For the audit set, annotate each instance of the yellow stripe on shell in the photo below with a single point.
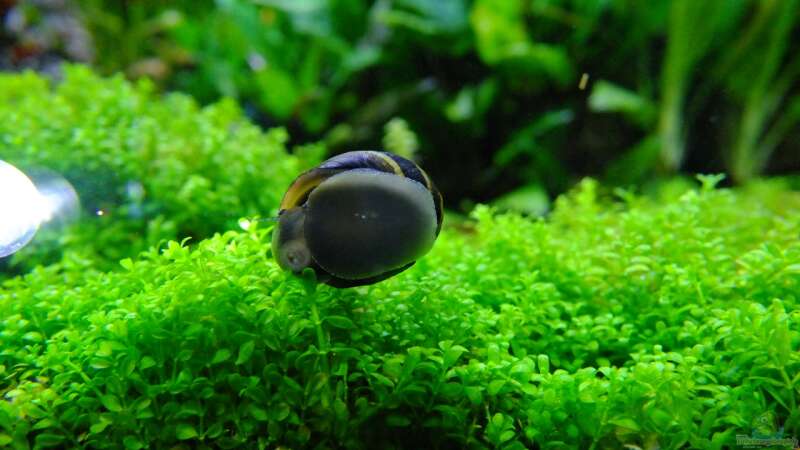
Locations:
(428, 183)
(389, 161)
(304, 184)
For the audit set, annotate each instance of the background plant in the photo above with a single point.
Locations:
(157, 170)
(491, 88)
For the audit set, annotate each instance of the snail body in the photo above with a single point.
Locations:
(357, 218)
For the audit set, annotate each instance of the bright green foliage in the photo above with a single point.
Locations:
(400, 139)
(159, 169)
(667, 324)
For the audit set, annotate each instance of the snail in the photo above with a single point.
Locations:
(358, 218)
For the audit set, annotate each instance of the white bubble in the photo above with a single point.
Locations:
(27, 203)
(22, 209)
(244, 224)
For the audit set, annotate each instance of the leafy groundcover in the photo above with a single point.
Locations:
(158, 168)
(669, 323)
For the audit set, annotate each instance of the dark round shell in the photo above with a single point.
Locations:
(364, 225)
(359, 224)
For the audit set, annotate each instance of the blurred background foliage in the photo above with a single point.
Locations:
(506, 100)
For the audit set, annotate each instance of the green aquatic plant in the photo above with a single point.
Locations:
(652, 324)
(398, 138)
(158, 169)
(705, 85)
(769, 108)
(727, 67)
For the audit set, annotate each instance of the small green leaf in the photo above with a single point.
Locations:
(99, 363)
(98, 427)
(185, 431)
(608, 97)
(126, 263)
(141, 403)
(258, 413)
(507, 435)
(44, 423)
(495, 386)
(132, 443)
(452, 354)
(147, 362)
(220, 356)
(309, 280)
(104, 349)
(245, 352)
(145, 414)
(49, 440)
(35, 412)
(474, 395)
(340, 409)
(281, 411)
(382, 379)
(33, 336)
(625, 423)
(214, 431)
(339, 322)
(500, 429)
(544, 364)
(660, 418)
(111, 402)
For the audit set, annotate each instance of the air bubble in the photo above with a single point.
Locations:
(61, 200)
(27, 203)
(22, 209)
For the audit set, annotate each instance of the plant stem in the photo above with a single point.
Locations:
(322, 342)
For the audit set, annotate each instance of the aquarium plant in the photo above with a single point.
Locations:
(666, 320)
(146, 169)
(542, 92)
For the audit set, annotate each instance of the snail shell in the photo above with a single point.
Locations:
(357, 218)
